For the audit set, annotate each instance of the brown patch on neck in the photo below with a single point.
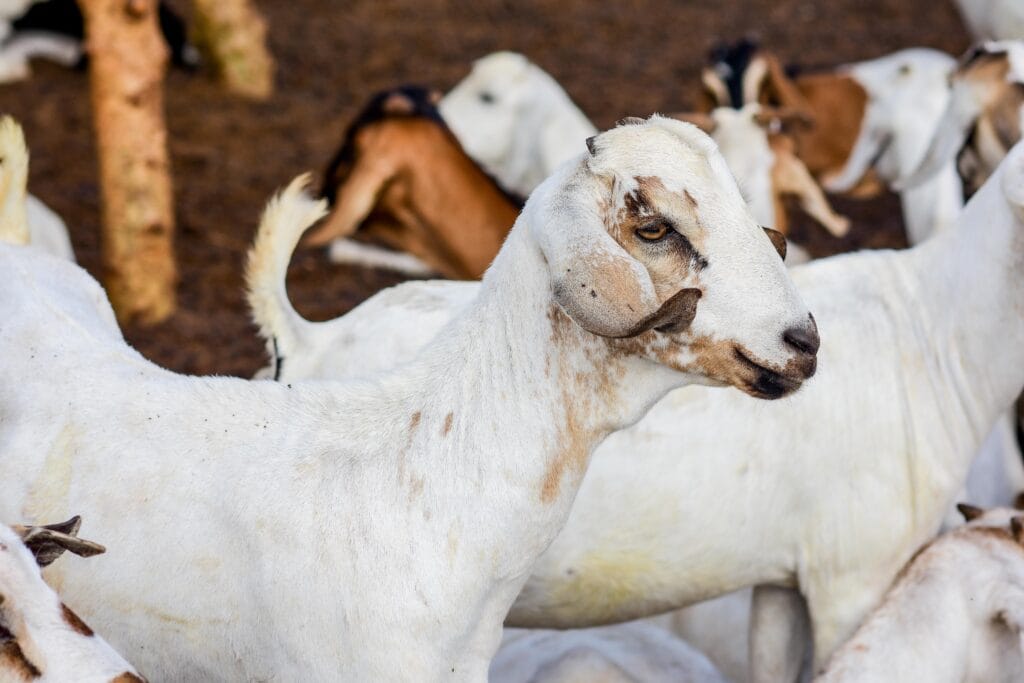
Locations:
(14, 662)
(72, 620)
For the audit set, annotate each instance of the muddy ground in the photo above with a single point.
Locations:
(614, 58)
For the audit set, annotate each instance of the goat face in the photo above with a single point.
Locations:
(484, 108)
(650, 222)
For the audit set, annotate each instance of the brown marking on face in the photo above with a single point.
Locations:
(72, 620)
(14, 662)
(447, 423)
(128, 677)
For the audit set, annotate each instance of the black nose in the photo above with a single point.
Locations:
(804, 338)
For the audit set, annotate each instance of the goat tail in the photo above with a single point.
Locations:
(13, 182)
(288, 214)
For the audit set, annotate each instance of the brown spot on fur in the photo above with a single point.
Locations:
(414, 421)
(14, 662)
(128, 677)
(74, 622)
(447, 424)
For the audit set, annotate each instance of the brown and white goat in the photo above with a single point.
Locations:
(833, 102)
(401, 178)
(41, 639)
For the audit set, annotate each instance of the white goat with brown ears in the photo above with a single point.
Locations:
(378, 529)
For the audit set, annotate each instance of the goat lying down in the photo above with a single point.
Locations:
(41, 639)
(929, 328)
(869, 122)
(400, 177)
(623, 653)
(954, 615)
(424, 495)
(982, 120)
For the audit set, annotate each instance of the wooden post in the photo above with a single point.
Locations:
(233, 36)
(127, 60)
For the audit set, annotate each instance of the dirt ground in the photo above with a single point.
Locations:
(614, 58)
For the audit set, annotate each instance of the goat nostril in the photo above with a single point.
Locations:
(803, 339)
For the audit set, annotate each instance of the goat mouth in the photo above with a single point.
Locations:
(766, 383)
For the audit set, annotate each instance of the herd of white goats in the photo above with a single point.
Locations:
(453, 457)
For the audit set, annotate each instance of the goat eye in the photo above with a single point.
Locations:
(652, 232)
(487, 98)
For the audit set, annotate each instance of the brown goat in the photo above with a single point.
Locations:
(402, 179)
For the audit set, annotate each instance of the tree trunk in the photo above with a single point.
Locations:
(127, 60)
(233, 35)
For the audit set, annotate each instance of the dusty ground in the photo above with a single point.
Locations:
(614, 58)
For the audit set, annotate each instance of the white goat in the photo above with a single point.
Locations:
(515, 119)
(926, 347)
(982, 120)
(41, 639)
(23, 218)
(379, 529)
(993, 19)
(956, 613)
(930, 370)
(636, 652)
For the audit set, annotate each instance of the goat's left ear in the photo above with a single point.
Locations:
(49, 542)
(778, 241)
(969, 512)
(595, 281)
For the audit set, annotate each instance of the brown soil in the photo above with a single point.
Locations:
(229, 155)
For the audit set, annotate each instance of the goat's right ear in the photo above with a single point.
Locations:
(970, 512)
(49, 542)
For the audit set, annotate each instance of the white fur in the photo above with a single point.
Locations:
(625, 653)
(529, 127)
(375, 529)
(31, 612)
(956, 615)
(829, 491)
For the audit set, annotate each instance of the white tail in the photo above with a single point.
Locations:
(13, 182)
(287, 216)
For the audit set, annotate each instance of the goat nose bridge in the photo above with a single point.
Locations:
(804, 338)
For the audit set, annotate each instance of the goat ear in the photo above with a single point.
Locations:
(600, 286)
(970, 512)
(49, 542)
(778, 241)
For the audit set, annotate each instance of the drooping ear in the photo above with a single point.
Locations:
(601, 287)
(715, 89)
(48, 542)
(778, 241)
(970, 512)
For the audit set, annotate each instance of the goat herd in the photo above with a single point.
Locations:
(453, 457)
